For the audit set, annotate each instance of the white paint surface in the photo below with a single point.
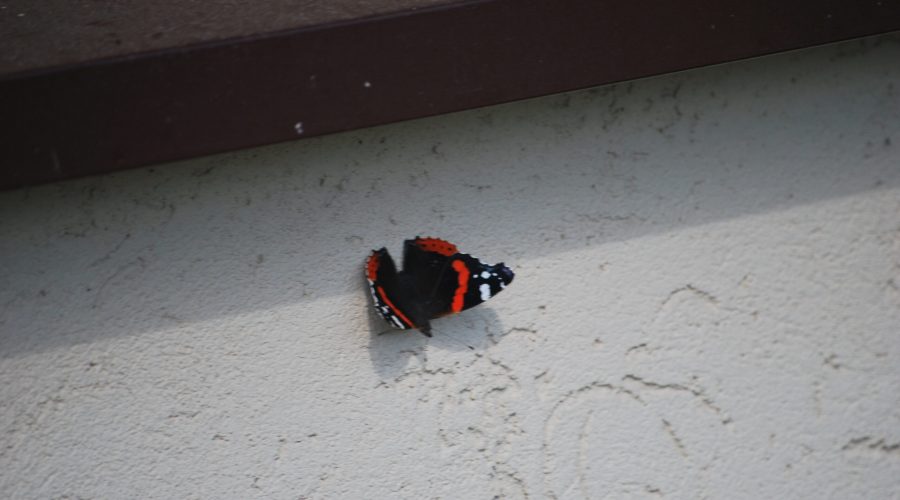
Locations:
(706, 304)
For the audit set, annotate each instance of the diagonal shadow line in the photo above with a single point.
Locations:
(155, 248)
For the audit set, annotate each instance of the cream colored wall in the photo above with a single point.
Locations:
(707, 303)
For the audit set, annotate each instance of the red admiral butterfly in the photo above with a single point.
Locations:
(436, 280)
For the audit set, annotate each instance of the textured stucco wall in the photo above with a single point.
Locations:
(707, 304)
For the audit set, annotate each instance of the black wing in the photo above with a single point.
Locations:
(384, 283)
(449, 281)
(427, 263)
(482, 281)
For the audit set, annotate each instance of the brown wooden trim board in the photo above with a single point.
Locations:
(100, 115)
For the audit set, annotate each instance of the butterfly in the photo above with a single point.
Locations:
(436, 280)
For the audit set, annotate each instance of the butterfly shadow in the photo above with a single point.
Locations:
(396, 353)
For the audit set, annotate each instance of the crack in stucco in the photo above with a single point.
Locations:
(516, 329)
(679, 444)
(703, 294)
(700, 394)
(582, 439)
(831, 361)
(869, 443)
(491, 431)
(109, 254)
(582, 452)
(633, 348)
(139, 262)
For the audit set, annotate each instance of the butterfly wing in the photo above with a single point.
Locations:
(427, 262)
(476, 281)
(387, 292)
(451, 281)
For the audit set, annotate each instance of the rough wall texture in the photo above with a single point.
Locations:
(707, 304)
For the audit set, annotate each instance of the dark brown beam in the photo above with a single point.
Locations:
(98, 116)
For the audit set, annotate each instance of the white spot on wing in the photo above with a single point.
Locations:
(485, 275)
(485, 290)
(298, 127)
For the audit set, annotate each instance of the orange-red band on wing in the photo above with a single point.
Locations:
(394, 308)
(437, 246)
(462, 277)
(372, 267)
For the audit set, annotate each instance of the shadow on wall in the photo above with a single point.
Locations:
(159, 247)
(390, 349)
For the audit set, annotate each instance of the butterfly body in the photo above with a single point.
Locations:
(436, 280)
